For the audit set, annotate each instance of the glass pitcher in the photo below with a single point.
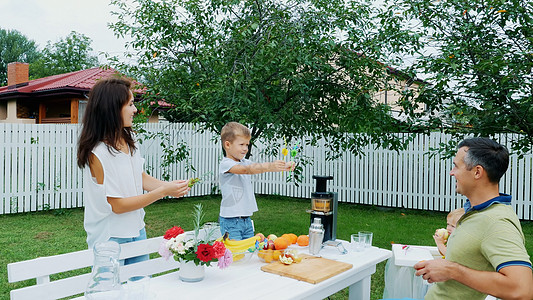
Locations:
(105, 279)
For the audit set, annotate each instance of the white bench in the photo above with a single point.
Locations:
(41, 268)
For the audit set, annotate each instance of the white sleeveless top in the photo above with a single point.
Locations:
(122, 178)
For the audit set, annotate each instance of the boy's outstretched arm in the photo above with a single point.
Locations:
(257, 168)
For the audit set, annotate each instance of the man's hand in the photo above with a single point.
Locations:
(435, 270)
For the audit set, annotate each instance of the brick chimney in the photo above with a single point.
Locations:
(17, 72)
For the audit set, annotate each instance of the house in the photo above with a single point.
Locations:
(398, 83)
(54, 99)
(391, 97)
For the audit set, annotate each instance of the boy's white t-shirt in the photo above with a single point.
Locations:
(238, 198)
(122, 178)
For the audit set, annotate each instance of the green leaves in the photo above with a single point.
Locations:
(67, 55)
(15, 47)
(285, 68)
(475, 61)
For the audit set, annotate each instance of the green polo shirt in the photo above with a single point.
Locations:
(488, 237)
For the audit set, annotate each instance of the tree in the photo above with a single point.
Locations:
(67, 55)
(15, 47)
(481, 66)
(286, 68)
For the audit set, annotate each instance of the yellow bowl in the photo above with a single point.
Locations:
(269, 256)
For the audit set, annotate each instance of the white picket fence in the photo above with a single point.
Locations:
(40, 171)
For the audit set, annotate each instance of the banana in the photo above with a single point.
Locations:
(240, 246)
(235, 251)
(238, 249)
(249, 241)
(243, 246)
(237, 246)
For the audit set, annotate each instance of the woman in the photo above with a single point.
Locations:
(114, 180)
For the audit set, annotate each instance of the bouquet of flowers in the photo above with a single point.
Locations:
(203, 251)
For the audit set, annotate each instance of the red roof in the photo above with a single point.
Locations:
(83, 80)
(77, 82)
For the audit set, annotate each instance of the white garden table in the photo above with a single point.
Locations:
(247, 281)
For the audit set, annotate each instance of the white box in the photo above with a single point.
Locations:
(409, 255)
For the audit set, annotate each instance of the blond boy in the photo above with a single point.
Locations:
(238, 198)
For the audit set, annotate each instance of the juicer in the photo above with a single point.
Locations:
(324, 207)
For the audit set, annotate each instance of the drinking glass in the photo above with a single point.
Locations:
(357, 243)
(138, 287)
(367, 238)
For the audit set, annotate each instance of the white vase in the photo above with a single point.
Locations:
(190, 272)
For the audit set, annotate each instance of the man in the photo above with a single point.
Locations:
(486, 252)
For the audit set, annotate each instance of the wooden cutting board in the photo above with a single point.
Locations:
(311, 269)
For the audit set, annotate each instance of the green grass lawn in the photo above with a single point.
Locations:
(30, 235)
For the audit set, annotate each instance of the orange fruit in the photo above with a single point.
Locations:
(276, 254)
(287, 237)
(303, 240)
(293, 238)
(281, 243)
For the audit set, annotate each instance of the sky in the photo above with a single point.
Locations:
(52, 20)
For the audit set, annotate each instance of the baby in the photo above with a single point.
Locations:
(451, 221)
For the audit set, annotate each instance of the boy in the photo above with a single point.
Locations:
(238, 199)
(451, 221)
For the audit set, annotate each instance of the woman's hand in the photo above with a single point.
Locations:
(178, 188)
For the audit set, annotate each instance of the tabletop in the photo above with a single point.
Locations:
(247, 281)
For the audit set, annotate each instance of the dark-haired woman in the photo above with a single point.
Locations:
(115, 179)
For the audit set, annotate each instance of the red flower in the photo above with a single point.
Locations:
(205, 252)
(173, 232)
(219, 248)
